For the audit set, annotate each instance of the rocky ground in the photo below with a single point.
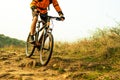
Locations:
(14, 65)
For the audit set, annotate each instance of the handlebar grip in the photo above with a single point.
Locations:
(58, 19)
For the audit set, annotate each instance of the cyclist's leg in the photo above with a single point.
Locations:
(33, 25)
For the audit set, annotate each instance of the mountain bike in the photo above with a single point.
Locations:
(44, 42)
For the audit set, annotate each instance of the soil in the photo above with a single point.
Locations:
(14, 65)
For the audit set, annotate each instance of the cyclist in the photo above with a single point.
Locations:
(40, 7)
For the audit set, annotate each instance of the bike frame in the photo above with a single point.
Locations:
(41, 41)
(45, 27)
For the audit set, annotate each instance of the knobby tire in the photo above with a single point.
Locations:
(29, 47)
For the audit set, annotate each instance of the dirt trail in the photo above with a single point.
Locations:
(15, 66)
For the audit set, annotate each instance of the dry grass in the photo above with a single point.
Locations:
(100, 53)
(96, 58)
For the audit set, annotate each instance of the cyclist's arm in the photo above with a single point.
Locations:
(33, 4)
(57, 7)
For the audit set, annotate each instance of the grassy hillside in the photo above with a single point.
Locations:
(99, 55)
(7, 41)
(93, 58)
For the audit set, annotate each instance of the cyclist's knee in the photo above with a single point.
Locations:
(35, 18)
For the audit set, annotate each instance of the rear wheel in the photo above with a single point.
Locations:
(30, 48)
(46, 49)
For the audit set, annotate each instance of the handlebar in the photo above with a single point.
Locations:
(56, 18)
(49, 18)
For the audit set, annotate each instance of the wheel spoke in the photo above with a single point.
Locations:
(46, 48)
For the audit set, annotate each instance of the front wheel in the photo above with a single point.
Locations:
(30, 48)
(46, 49)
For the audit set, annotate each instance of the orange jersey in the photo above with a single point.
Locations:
(43, 5)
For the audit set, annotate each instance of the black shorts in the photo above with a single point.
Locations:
(42, 16)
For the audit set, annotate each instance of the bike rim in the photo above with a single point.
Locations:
(29, 48)
(46, 50)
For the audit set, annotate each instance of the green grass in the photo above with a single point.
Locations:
(6, 41)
